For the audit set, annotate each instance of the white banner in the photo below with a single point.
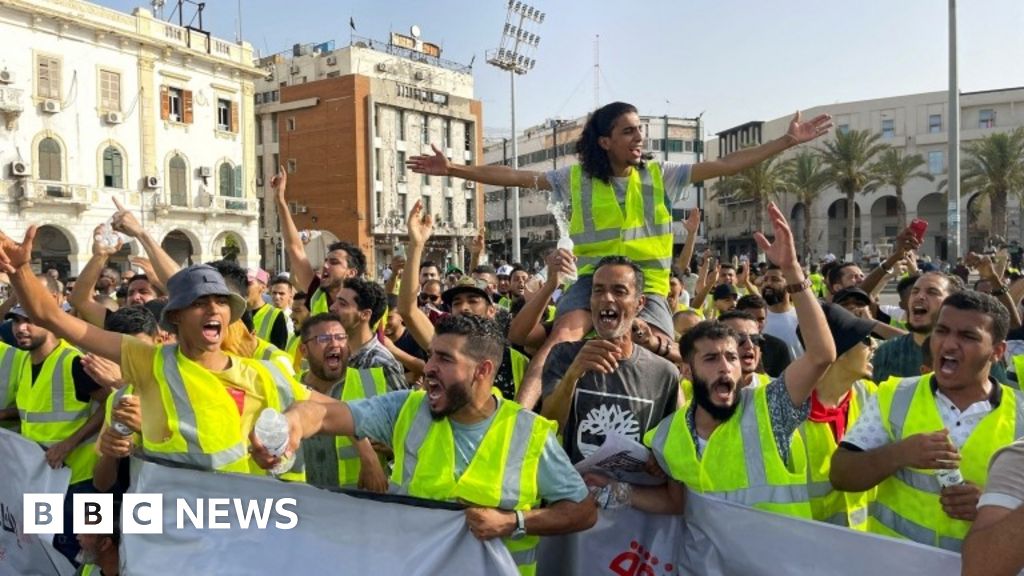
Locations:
(23, 470)
(724, 538)
(333, 533)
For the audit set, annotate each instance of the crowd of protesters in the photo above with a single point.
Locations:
(778, 384)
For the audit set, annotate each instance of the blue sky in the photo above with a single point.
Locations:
(734, 60)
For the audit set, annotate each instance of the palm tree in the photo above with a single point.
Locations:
(760, 183)
(994, 166)
(847, 159)
(895, 170)
(806, 179)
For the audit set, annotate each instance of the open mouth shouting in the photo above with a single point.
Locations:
(212, 331)
(919, 314)
(332, 360)
(948, 365)
(722, 391)
(609, 321)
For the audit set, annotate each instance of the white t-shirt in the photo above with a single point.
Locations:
(783, 325)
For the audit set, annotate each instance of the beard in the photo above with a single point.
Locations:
(456, 398)
(772, 296)
(702, 396)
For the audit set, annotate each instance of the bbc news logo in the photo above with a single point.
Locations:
(144, 513)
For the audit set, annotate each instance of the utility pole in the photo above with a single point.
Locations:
(953, 250)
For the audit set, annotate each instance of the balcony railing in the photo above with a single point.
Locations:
(47, 193)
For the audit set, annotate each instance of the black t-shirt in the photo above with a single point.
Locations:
(504, 379)
(775, 355)
(406, 343)
(84, 384)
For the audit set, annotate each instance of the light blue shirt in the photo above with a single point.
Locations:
(556, 478)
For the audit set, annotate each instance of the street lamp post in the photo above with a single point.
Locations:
(513, 56)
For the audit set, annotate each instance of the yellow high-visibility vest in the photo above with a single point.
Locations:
(12, 362)
(849, 509)
(50, 413)
(318, 304)
(741, 462)
(502, 473)
(907, 504)
(264, 319)
(599, 227)
(359, 384)
(203, 420)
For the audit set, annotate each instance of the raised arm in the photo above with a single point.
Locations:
(164, 266)
(43, 309)
(81, 297)
(420, 226)
(525, 329)
(692, 225)
(987, 270)
(298, 263)
(440, 165)
(803, 374)
(798, 133)
(476, 250)
(905, 242)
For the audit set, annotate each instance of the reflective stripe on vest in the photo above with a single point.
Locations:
(739, 439)
(640, 228)
(188, 428)
(908, 504)
(50, 412)
(11, 366)
(502, 473)
(359, 383)
(264, 319)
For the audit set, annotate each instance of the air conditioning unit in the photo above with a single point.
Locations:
(114, 117)
(259, 181)
(6, 77)
(152, 182)
(382, 67)
(403, 178)
(51, 106)
(303, 209)
(205, 172)
(332, 60)
(295, 70)
(469, 185)
(20, 169)
(419, 75)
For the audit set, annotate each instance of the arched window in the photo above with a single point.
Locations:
(177, 180)
(50, 160)
(113, 168)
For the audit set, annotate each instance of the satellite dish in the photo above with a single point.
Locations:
(414, 31)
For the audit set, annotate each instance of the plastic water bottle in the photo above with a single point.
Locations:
(272, 431)
(949, 478)
(566, 243)
(119, 427)
(108, 237)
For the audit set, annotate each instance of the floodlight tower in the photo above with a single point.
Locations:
(514, 55)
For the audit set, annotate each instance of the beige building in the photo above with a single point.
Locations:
(343, 121)
(915, 124)
(552, 145)
(98, 104)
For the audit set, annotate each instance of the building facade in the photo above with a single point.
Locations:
(913, 124)
(552, 145)
(97, 104)
(342, 123)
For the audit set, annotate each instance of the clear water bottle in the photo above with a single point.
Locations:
(566, 243)
(949, 478)
(119, 427)
(272, 431)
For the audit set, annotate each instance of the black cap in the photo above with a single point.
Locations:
(852, 293)
(724, 291)
(847, 329)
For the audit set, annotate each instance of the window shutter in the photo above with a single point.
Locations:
(238, 181)
(165, 103)
(234, 117)
(186, 106)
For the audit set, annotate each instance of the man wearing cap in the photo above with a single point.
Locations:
(926, 441)
(343, 260)
(504, 275)
(468, 296)
(58, 402)
(452, 276)
(724, 298)
(270, 322)
(836, 403)
(360, 304)
(199, 403)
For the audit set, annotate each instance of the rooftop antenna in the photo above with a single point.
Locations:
(158, 9)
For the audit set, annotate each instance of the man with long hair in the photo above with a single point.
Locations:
(618, 204)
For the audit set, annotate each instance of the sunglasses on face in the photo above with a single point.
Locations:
(424, 298)
(324, 339)
(755, 339)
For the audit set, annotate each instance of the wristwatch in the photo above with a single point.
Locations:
(520, 530)
(798, 287)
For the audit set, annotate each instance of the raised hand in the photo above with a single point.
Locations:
(692, 222)
(279, 182)
(560, 263)
(420, 225)
(124, 221)
(436, 165)
(14, 255)
(100, 247)
(479, 243)
(143, 263)
(806, 131)
(983, 264)
(781, 252)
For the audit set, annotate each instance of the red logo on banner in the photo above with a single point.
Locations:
(637, 561)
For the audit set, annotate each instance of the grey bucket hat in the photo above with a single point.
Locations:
(192, 283)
